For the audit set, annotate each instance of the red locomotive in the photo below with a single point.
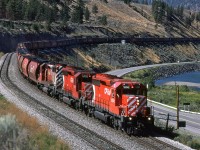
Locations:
(118, 102)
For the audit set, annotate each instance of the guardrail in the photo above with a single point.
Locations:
(191, 112)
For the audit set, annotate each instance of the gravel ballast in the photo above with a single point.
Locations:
(75, 142)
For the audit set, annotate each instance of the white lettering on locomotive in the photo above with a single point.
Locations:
(107, 91)
(71, 80)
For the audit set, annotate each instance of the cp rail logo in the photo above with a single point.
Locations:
(107, 91)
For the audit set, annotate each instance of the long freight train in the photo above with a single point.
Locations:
(118, 102)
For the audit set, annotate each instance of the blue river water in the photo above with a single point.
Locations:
(191, 79)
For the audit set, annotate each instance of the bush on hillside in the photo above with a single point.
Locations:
(11, 135)
(189, 140)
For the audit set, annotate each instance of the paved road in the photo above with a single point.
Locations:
(192, 120)
(121, 72)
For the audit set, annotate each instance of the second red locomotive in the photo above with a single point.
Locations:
(118, 102)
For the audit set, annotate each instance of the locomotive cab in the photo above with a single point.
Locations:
(77, 83)
(134, 110)
(120, 102)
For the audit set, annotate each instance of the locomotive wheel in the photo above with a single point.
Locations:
(129, 131)
(76, 105)
(60, 97)
(85, 110)
(115, 126)
(38, 85)
(90, 112)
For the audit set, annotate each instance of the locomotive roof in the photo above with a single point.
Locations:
(106, 76)
(73, 70)
(111, 79)
(34, 58)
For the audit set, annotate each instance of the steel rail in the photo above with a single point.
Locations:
(95, 140)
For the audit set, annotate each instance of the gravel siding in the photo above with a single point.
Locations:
(94, 125)
(75, 142)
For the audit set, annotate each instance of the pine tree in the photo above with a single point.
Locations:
(49, 16)
(159, 9)
(145, 2)
(10, 7)
(103, 20)
(31, 10)
(94, 9)
(40, 13)
(54, 11)
(77, 13)
(64, 14)
(3, 10)
(169, 13)
(105, 1)
(127, 2)
(24, 5)
(135, 1)
(179, 11)
(87, 14)
(192, 17)
(198, 16)
(188, 21)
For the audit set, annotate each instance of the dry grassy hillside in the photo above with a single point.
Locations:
(124, 19)
(137, 19)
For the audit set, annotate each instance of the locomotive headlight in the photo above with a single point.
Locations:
(138, 102)
(149, 118)
(130, 118)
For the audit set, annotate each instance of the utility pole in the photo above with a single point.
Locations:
(167, 123)
(177, 104)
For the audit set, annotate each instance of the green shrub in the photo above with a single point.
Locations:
(35, 27)
(144, 76)
(46, 141)
(189, 140)
(103, 20)
(184, 88)
(1, 54)
(11, 135)
(47, 26)
(195, 144)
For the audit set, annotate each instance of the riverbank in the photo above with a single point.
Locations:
(191, 79)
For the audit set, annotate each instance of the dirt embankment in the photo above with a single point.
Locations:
(114, 56)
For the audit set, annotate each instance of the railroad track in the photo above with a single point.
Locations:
(91, 137)
(150, 139)
(155, 143)
(95, 140)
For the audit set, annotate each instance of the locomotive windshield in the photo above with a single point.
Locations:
(86, 78)
(132, 91)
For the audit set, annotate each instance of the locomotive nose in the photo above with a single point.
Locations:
(132, 105)
(141, 103)
(135, 104)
